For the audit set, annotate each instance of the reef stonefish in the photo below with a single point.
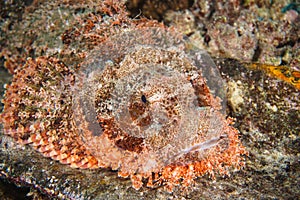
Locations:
(149, 108)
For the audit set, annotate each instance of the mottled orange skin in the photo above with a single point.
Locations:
(39, 111)
(29, 120)
(60, 141)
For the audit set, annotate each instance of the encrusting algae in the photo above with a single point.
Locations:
(144, 102)
(284, 73)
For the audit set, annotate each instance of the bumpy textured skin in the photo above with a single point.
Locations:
(38, 111)
(141, 107)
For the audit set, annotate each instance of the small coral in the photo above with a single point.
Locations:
(284, 73)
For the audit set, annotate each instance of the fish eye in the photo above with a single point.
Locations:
(143, 98)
